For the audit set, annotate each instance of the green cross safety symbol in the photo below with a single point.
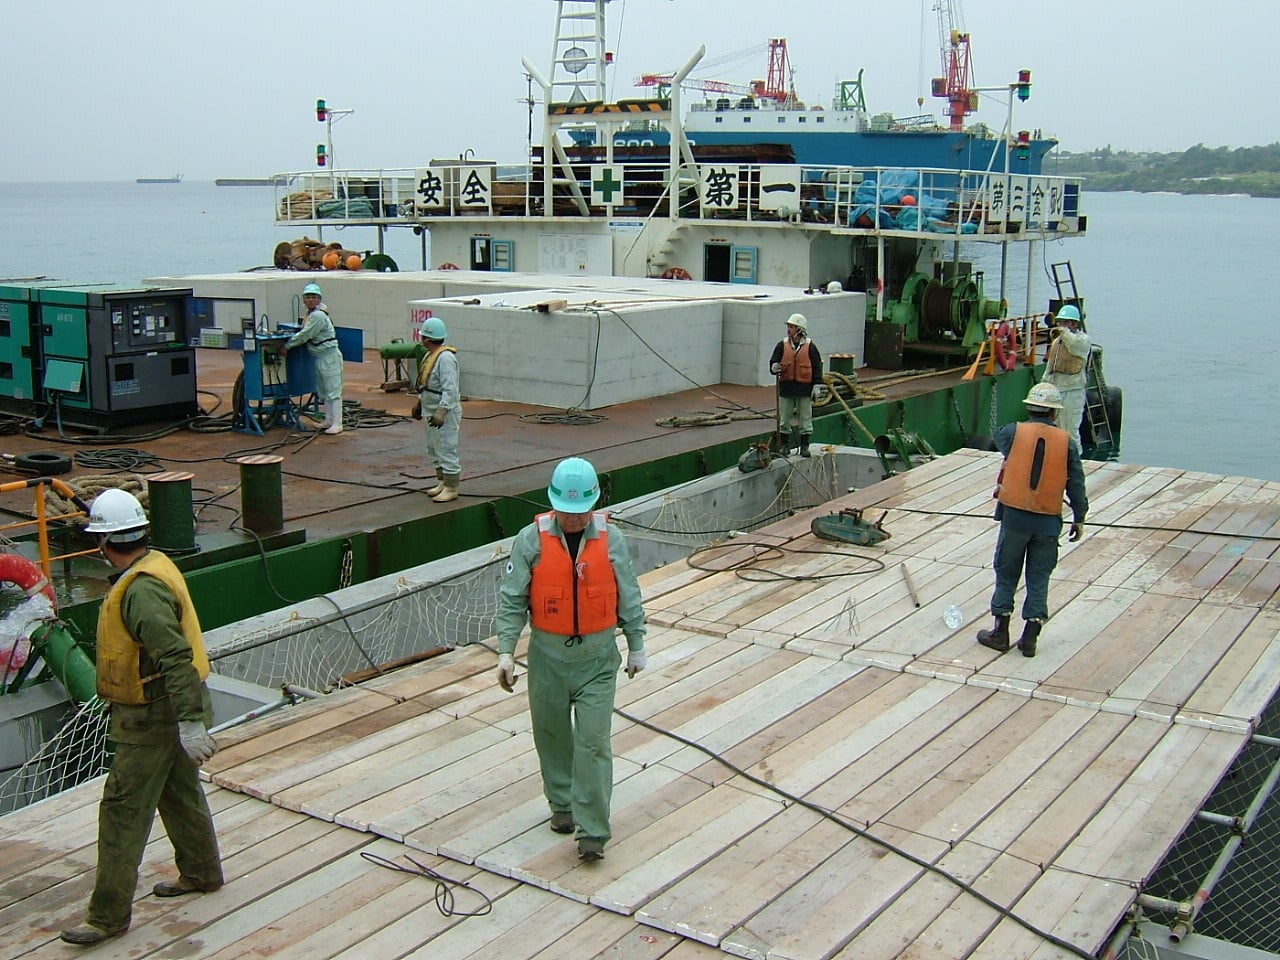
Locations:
(606, 186)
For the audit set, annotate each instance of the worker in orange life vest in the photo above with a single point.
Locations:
(798, 366)
(1040, 465)
(570, 575)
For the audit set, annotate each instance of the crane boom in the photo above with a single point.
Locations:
(956, 83)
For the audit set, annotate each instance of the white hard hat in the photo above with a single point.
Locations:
(798, 320)
(1044, 395)
(834, 286)
(119, 515)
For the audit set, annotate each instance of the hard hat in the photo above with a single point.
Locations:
(1044, 395)
(433, 329)
(1068, 313)
(798, 320)
(119, 515)
(835, 286)
(574, 487)
(312, 288)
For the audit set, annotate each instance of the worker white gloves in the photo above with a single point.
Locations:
(195, 740)
(437, 416)
(817, 392)
(637, 660)
(1075, 533)
(775, 368)
(506, 672)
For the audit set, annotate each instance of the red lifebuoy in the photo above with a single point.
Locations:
(21, 572)
(676, 273)
(448, 266)
(1006, 345)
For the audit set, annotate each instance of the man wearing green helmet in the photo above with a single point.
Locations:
(570, 575)
(321, 341)
(1067, 368)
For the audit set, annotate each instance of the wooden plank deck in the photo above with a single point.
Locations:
(813, 766)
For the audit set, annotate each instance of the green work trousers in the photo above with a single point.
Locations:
(145, 778)
(571, 707)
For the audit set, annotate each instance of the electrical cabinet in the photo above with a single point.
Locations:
(131, 349)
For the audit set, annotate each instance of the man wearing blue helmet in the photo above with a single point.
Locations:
(321, 341)
(1067, 368)
(571, 577)
(440, 393)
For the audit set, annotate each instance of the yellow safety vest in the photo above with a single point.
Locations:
(119, 655)
(429, 364)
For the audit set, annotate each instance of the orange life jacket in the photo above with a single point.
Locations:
(571, 598)
(797, 365)
(1034, 476)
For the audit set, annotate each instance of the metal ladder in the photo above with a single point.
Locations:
(1095, 408)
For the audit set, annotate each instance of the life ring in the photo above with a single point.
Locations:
(21, 572)
(1006, 345)
(676, 273)
(448, 266)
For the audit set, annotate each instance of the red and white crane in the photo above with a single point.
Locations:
(776, 85)
(956, 83)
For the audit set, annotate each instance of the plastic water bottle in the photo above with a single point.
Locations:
(952, 616)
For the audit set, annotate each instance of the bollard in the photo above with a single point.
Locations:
(841, 363)
(261, 500)
(173, 522)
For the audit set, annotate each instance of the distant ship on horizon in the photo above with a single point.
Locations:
(176, 178)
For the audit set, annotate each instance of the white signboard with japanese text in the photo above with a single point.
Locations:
(780, 188)
(718, 187)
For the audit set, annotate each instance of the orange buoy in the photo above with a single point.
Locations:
(676, 273)
(447, 266)
(331, 260)
(354, 262)
(21, 572)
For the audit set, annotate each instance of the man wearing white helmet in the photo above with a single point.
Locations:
(321, 341)
(1040, 465)
(151, 665)
(1066, 367)
(571, 577)
(798, 366)
(439, 392)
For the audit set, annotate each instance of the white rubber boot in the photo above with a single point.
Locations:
(333, 409)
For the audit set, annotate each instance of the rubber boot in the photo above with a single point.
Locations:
(793, 441)
(1030, 632)
(997, 638)
(439, 487)
(450, 491)
(334, 410)
(804, 444)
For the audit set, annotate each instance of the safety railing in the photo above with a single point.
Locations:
(42, 519)
(894, 201)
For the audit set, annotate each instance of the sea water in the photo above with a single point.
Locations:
(1181, 291)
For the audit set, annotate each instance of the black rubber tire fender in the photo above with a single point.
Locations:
(43, 463)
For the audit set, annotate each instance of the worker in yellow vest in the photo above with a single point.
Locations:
(152, 667)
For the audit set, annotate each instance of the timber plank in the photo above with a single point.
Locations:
(1243, 681)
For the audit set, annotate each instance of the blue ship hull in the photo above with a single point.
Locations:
(942, 149)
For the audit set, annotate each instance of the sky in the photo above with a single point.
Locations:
(99, 91)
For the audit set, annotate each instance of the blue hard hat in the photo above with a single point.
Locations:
(312, 288)
(433, 328)
(574, 487)
(1069, 312)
